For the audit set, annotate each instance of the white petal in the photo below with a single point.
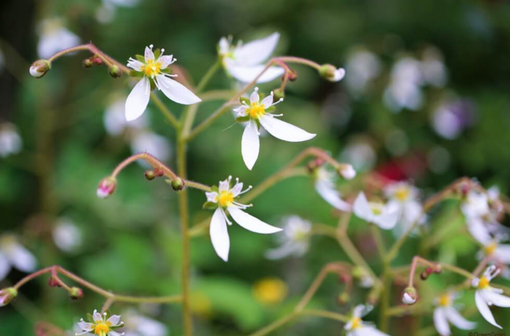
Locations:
(237, 188)
(250, 144)
(96, 316)
(114, 333)
(358, 311)
(224, 185)
(211, 196)
(496, 298)
(149, 55)
(368, 331)
(483, 308)
(224, 46)
(247, 74)
(361, 208)
(176, 91)
(268, 101)
(219, 234)
(21, 259)
(502, 252)
(339, 74)
(138, 99)
(241, 110)
(331, 195)
(165, 61)
(114, 320)
(386, 221)
(283, 130)
(5, 266)
(254, 97)
(478, 230)
(86, 326)
(257, 51)
(457, 320)
(281, 252)
(135, 65)
(251, 223)
(440, 322)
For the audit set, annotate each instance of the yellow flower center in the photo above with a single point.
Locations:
(376, 208)
(256, 110)
(355, 323)
(444, 300)
(101, 329)
(484, 283)
(152, 68)
(270, 290)
(491, 248)
(402, 193)
(225, 198)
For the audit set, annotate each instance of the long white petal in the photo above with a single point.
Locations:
(237, 188)
(250, 144)
(496, 298)
(114, 320)
(138, 99)
(219, 234)
(458, 320)
(86, 326)
(21, 259)
(283, 130)
(149, 55)
(256, 52)
(166, 61)
(361, 208)
(246, 74)
(96, 316)
(440, 322)
(368, 331)
(281, 252)
(5, 266)
(478, 230)
(176, 91)
(483, 308)
(251, 223)
(502, 252)
(331, 195)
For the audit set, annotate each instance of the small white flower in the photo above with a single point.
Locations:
(13, 254)
(10, 140)
(225, 200)
(245, 62)
(66, 235)
(139, 325)
(446, 313)
(486, 296)
(257, 115)
(357, 327)
(295, 238)
(404, 197)
(54, 37)
(376, 213)
(154, 70)
(325, 186)
(145, 141)
(101, 326)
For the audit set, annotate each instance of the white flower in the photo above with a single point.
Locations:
(361, 67)
(245, 62)
(325, 186)
(54, 37)
(356, 326)
(404, 197)
(295, 238)
(446, 313)
(154, 70)
(13, 254)
(100, 326)
(139, 325)
(486, 296)
(225, 200)
(145, 141)
(257, 115)
(66, 235)
(376, 213)
(115, 121)
(10, 140)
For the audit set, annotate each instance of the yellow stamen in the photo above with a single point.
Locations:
(491, 248)
(152, 68)
(484, 283)
(376, 208)
(402, 193)
(444, 300)
(101, 329)
(225, 198)
(355, 322)
(256, 110)
(270, 290)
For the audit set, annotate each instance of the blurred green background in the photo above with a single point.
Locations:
(425, 98)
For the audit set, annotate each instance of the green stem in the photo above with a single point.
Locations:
(207, 77)
(166, 112)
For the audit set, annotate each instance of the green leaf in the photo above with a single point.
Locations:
(140, 58)
(243, 119)
(244, 100)
(157, 53)
(270, 109)
(209, 206)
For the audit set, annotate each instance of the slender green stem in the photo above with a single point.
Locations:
(325, 314)
(379, 242)
(166, 112)
(212, 118)
(275, 325)
(207, 77)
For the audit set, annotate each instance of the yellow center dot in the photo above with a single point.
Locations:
(225, 198)
(402, 194)
(101, 329)
(256, 110)
(152, 68)
(355, 323)
(484, 283)
(270, 290)
(490, 249)
(376, 208)
(444, 300)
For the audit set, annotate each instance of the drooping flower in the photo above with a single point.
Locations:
(10, 140)
(246, 62)
(224, 198)
(357, 327)
(404, 197)
(100, 325)
(155, 70)
(295, 238)
(446, 313)
(13, 254)
(377, 213)
(486, 296)
(140, 325)
(325, 186)
(66, 235)
(257, 114)
(54, 37)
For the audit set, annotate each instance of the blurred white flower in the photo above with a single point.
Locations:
(486, 296)
(362, 66)
(115, 121)
(357, 327)
(10, 140)
(446, 313)
(144, 141)
(295, 238)
(106, 12)
(404, 197)
(433, 69)
(404, 89)
(54, 37)
(225, 200)
(155, 70)
(13, 254)
(139, 325)
(453, 116)
(246, 62)
(376, 213)
(66, 235)
(325, 186)
(360, 154)
(101, 326)
(257, 114)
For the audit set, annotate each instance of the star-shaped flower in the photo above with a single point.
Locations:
(486, 296)
(100, 325)
(357, 327)
(377, 213)
(445, 313)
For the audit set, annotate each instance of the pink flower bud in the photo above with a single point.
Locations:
(106, 187)
(75, 293)
(7, 295)
(40, 68)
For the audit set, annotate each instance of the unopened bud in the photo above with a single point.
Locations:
(40, 68)
(424, 275)
(331, 73)
(177, 184)
(409, 296)
(75, 293)
(53, 282)
(149, 175)
(106, 187)
(343, 298)
(278, 94)
(292, 75)
(115, 71)
(96, 60)
(347, 172)
(7, 295)
(87, 63)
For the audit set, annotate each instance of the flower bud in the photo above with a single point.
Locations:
(347, 172)
(177, 184)
(292, 75)
(115, 71)
(278, 94)
(409, 296)
(331, 73)
(7, 295)
(40, 68)
(106, 187)
(53, 282)
(75, 293)
(343, 298)
(149, 175)
(87, 63)
(96, 60)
